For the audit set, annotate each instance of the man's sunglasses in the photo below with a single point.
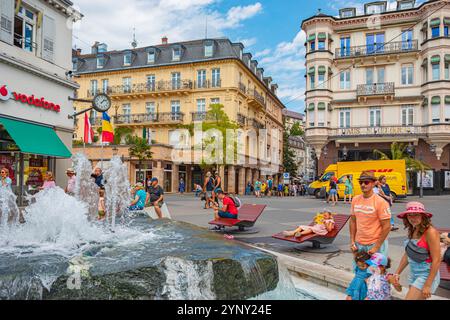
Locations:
(365, 182)
(3, 172)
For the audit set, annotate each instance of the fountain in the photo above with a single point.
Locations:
(59, 253)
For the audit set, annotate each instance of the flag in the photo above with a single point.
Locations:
(147, 135)
(88, 132)
(107, 130)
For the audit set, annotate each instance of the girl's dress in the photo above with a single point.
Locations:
(358, 287)
(319, 228)
(378, 286)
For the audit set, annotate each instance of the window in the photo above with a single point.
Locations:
(312, 80)
(151, 110)
(74, 64)
(126, 84)
(24, 29)
(100, 61)
(105, 84)
(321, 44)
(435, 113)
(321, 83)
(347, 13)
(407, 74)
(369, 76)
(176, 80)
(175, 106)
(407, 38)
(375, 43)
(344, 118)
(321, 118)
(345, 79)
(380, 75)
(313, 45)
(407, 116)
(209, 49)
(151, 82)
(436, 71)
(216, 77)
(127, 59)
(102, 47)
(126, 111)
(94, 87)
(447, 109)
(375, 117)
(446, 30)
(201, 105)
(447, 67)
(403, 5)
(217, 101)
(435, 31)
(345, 47)
(201, 79)
(425, 70)
(151, 56)
(311, 115)
(375, 8)
(176, 54)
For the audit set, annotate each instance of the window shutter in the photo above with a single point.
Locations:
(48, 38)
(6, 20)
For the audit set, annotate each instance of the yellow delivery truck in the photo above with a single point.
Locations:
(394, 170)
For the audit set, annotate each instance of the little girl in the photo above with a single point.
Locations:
(323, 223)
(101, 205)
(357, 289)
(379, 283)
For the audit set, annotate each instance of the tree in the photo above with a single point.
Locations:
(289, 163)
(139, 148)
(296, 130)
(398, 152)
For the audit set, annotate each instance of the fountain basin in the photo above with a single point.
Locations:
(178, 261)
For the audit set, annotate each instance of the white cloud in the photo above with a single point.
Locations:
(112, 22)
(248, 42)
(263, 53)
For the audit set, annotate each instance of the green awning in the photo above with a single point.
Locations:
(321, 106)
(435, 22)
(322, 36)
(312, 37)
(447, 99)
(322, 70)
(436, 100)
(447, 21)
(312, 70)
(311, 107)
(35, 139)
(447, 58)
(435, 59)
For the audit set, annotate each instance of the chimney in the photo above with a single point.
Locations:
(78, 52)
(165, 40)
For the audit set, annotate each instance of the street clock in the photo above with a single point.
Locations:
(101, 102)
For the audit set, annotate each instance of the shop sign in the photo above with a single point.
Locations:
(5, 94)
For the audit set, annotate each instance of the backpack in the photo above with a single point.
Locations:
(236, 200)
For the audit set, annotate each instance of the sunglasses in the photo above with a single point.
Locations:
(3, 172)
(365, 182)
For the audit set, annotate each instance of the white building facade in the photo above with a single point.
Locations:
(35, 83)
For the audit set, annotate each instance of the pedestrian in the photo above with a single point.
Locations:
(155, 196)
(370, 218)
(422, 252)
(380, 281)
(98, 176)
(70, 189)
(101, 204)
(348, 189)
(49, 181)
(228, 210)
(140, 197)
(208, 186)
(198, 189)
(333, 192)
(6, 181)
(181, 187)
(263, 188)
(248, 189)
(217, 186)
(385, 193)
(286, 190)
(258, 188)
(280, 189)
(357, 290)
(269, 186)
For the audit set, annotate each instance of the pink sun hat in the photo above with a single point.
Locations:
(414, 207)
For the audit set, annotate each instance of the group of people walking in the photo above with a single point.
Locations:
(267, 188)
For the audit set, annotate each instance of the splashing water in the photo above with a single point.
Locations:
(85, 188)
(9, 211)
(117, 189)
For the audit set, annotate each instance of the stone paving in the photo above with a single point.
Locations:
(285, 213)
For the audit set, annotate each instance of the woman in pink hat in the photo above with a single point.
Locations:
(422, 252)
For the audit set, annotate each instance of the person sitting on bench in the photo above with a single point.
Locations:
(323, 223)
(228, 210)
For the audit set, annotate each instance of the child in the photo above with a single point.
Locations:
(101, 205)
(357, 289)
(379, 283)
(323, 223)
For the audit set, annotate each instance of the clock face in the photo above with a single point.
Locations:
(101, 102)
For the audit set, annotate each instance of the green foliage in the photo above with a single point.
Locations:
(77, 143)
(139, 148)
(296, 130)
(99, 130)
(398, 152)
(289, 163)
(121, 132)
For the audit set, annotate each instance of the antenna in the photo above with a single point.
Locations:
(134, 42)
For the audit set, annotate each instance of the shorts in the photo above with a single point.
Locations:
(160, 204)
(227, 215)
(135, 208)
(418, 275)
(101, 214)
(208, 194)
(333, 192)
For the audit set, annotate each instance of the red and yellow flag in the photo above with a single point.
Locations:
(107, 129)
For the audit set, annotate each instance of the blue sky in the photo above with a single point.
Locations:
(270, 29)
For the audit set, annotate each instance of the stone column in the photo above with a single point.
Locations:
(222, 176)
(158, 172)
(188, 181)
(242, 182)
(231, 179)
(249, 176)
(175, 178)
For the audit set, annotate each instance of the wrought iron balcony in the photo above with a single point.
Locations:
(203, 116)
(146, 87)
(377, 49)
(241, 119)
(162, 117)
(255, 124)
(387, 88)
(207, 84)
(242, 88)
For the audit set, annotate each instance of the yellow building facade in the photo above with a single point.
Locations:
(156, 89)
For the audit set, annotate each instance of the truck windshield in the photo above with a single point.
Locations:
(327, 176)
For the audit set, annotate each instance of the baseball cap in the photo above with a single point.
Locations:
(377, 259)
(154, 179)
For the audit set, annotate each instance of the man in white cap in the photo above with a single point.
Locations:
(70, 189)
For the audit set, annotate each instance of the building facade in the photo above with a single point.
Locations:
(35, 60)
(378, 77)
(157, 89)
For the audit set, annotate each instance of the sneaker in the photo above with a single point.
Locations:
(228, 236)
(394, 228)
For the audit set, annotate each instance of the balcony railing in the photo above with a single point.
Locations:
(207, 84)
(375, 89)
(377, 49)
(241, 119)
(146, 87)
(203, 116)
(377, 131)
(162, 117)
(242, 88)
(255, 124)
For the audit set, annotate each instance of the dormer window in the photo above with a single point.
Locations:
(209, 49)
(151, 56)
(347, 12)
(404, 5)
(176, 53)
(127, 58)
(74, 64)
(375, 7)
(102, 47)
(101, 61)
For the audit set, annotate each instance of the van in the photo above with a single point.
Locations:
(394, 170)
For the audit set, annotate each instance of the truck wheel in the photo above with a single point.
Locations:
(394, 197)
(317, 193)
